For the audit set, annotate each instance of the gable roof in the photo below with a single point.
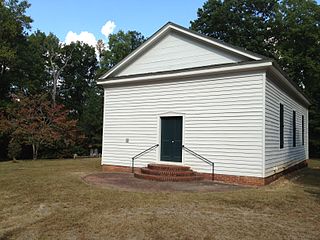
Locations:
(187, 32)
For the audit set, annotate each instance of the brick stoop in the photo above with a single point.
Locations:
(162, 172)
(168, 173)
(168, 167)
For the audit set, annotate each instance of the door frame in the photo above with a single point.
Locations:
(170, 114)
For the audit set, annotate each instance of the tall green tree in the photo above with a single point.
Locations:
(246, 23)
(29, 73)
(38, 67)
(78, 77)
(58, 58)
(298, 52)
(287, 30)
(91, 119)
(120, 45)
(13, 26)
(79, 93)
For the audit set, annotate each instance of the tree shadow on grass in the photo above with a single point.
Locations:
(309, 178)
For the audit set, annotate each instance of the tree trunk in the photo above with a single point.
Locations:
(54, 91)
(33, 152)
(35, 148)
(56, 75)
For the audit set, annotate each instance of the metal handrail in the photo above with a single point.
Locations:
(201, 158)
(142, 153)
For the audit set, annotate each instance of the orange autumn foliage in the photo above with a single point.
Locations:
(33, 120)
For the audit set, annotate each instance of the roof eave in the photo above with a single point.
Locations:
(189, 72)
(276, 70)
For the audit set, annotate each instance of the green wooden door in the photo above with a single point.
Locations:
(171, 139)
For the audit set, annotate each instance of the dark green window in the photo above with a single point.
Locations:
(302, 130)
(281, 126)
(294, 128)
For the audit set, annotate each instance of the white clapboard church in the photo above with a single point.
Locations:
(184, 101)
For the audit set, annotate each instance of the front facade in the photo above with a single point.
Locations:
(231, 106)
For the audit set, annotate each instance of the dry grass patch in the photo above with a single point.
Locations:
(46, 199)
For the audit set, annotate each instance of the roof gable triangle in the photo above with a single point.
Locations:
(174, 47)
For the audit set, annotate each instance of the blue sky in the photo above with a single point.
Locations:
(83, 19)
(63, 16)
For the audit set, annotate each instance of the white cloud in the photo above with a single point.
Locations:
(108, 28)
(85, 37)
(88, 37)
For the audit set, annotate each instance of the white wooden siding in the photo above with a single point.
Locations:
(277, 159)
(222, 121)
(175, 51)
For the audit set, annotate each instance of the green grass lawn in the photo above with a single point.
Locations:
(46, 199)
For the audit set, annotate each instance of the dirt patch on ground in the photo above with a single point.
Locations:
(128, 182)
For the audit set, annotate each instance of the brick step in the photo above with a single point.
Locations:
(166, 172)
(162, 178)
(167, 167)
